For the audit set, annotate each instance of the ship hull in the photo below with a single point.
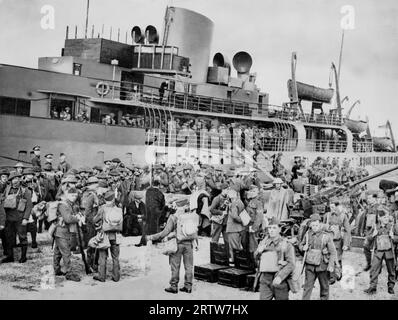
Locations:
(83, 143)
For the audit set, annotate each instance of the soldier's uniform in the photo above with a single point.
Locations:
(36, 159)
(163, 179)
(62, 238)
(14, 219)
(89, 205)
(368, 223)
(281, 265)
(218, 210)
(320, 257)
(255, 209)
(338, 225)
(177, 183)
(383, 240)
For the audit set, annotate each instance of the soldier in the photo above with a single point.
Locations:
(112, 231)
(236, 231)
(19, 168)
(66, 225)
(299, 182)
(162, 176)
(4, 174)
(32, 222)
(338, 225)
(107, 166)
(177, 181)
(63, 166)
(277, 262)
(97, 170)
(219, 216)
(384, 235)
(48, 161)
(255, 209)
(18, 206)
(89, 206)
(36, 159)
(185, 243)
(368, 222)
(320, 258)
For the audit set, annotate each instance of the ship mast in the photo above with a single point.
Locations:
(341, 55)
(88, 8)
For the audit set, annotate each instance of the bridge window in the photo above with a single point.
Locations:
(19, 107)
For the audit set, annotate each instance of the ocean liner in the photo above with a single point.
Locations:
(153, 98)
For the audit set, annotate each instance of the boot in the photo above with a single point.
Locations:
(98, 278)
(367, 268)
(185, 289)
(72, 277)
(370, 291)
(24, 250)
(391, 290)
(8, 259)
(171, 290)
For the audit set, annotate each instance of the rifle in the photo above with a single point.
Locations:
(86, 266)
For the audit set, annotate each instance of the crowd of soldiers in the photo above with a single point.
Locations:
(247, 213)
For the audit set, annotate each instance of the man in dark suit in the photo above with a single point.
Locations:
(155, 205)
(133, 223)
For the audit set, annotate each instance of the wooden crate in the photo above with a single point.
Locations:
(244, 260)
(233, 277)
(219, 254)
(208, 272)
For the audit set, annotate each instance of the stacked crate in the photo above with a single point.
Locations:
(219, 260)
(218, 270)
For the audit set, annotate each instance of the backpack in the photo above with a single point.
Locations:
(334, 228)
(11, 200)
(52, 211)
(187, 226)
(113, 219)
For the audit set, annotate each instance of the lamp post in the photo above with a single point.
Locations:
(114, 63)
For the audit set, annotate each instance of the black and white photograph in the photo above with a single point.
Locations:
(216, 151)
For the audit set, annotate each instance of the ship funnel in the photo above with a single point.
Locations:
(151, 35)
(242, 62)
(136, 34)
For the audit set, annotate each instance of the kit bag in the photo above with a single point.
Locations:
(187, 226)
(52, 211)
(334, 228)
(11, 200)
(314, 256)
(245, 217)
(383, 242)
(169, 247)
(113, 219)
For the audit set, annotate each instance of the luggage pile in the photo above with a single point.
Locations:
(241, 275)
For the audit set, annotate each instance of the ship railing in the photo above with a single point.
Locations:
(161, 138)
(362, 146)
(318, 145)
(321, 119)
(132, 91)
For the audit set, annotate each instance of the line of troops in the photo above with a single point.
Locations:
(25, 190)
